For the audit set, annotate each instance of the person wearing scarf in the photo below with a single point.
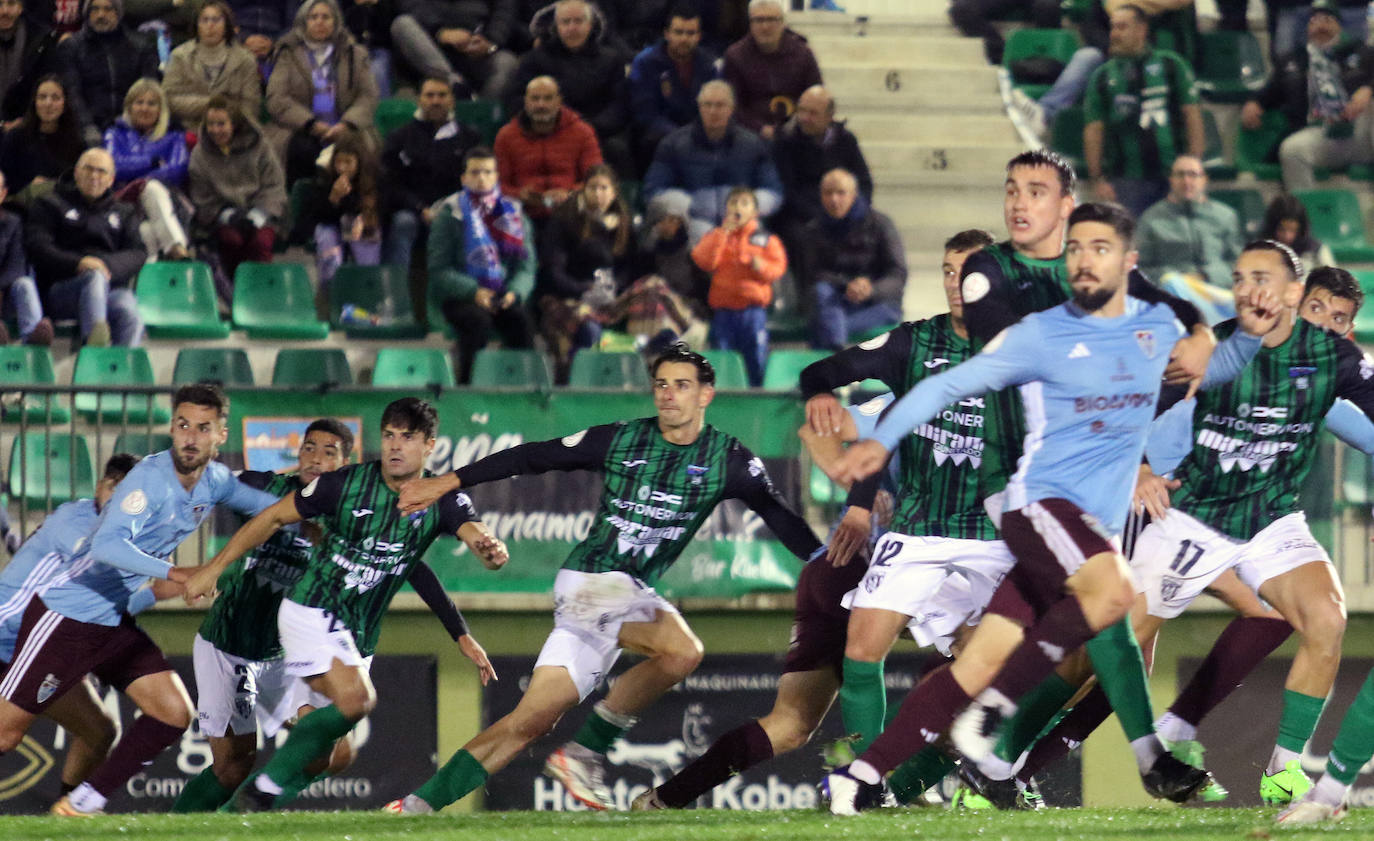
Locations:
(858, 265)
(481, 266)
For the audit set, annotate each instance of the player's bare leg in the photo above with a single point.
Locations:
(14, 723)
(92, 731)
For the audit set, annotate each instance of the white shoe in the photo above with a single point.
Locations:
(1306, 812)
(848, 795)
(974, 733)
(647, 802)
(580, 771)
(408, 805)
(1031, 111)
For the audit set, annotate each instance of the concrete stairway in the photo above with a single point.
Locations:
(924, 104)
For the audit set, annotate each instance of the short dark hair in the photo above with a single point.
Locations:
(336, 428)
(119, 465)
(1108, 213)
(683, 10)
(970, 240)
(1340, 283)
(478, 153)
(206, 394)
(1287, 255)
(448, 83)
(1068, 179)
(413, 414)
(679, 352)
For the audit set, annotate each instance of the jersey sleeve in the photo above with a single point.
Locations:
(1352, 426)
(431, 591)
(141, 600)
(585, 450)
(1230, 358)
(258, 480)
(455, 509)
(244, 498)
(867, 414)
(1139, 287)
(321, 496)
(132, 508)
(1170, 437)
(883, 358)
(1355, 376)
(987, 297)
(747, 480)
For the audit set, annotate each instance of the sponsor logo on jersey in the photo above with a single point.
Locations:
(1145, 339)
(361, 512)
(951, 446)
(1262, 428)
(1245, 410)
(631, 464)
(1080, 351)
(48, 687)
(1233, 453)
(936, 362)
(1110, 402)
(135, 503)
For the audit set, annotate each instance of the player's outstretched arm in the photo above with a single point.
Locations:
(850, 534)
(473, 650)
(419, 494)
(488, 548)
(826, 449)
(251, 535)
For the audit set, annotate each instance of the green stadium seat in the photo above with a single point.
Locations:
(50, 465)
(312, 367)
(276, 301)
(1230, 66)
(392, 113)
(499, 367)
(1338, 222)
(227, 366)
(22, 365)
(1177, 31)
(1257, 150)
(785, 366)
(609, 369)
(114, 366)
(1066, 135)
(485, 116)
(412, 368)
(787, 315)
(1214, 154)
(142, 443)
(730, 370)
(176, 300)
(1248, 205)
(1365, 277)
(1057, 44)
(382, 292)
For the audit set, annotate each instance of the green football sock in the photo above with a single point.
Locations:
(312, 737)
(927, 768)
(602, 728)
(1355, 743)
(1299, 719)
(1120, 670)
(863, 701)
(1033, 713)
(203, 793)
(461, 775)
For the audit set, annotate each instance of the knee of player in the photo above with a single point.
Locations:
(356, 703)
(787, 732)
(1323, 624)
(683, 659)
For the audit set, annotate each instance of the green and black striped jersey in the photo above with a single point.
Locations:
(369, 547)
(1254, 438)
(1140, 101)
(243, 619)
(937, 494)
(656, 494)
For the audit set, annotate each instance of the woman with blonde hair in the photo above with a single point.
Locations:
(151, 158)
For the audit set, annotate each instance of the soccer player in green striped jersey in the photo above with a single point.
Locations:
(663, 477)
(330, 619)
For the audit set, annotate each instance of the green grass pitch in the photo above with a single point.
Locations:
(1166, 824)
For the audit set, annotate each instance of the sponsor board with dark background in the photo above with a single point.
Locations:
(396, 749)
(1239, 734)
(725, 691)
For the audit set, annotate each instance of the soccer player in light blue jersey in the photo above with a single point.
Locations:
(81, 623)
(1089, 373)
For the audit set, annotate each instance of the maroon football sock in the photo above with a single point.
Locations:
(741, 748)
(1240, 648)
(138, 747)
(1060, 631)
(926, 712)
(1073, 729)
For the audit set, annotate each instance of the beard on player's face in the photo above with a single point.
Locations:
(1092, 300)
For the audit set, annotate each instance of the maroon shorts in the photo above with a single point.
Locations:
(819, 622)
(55, 652)
(1051, 539)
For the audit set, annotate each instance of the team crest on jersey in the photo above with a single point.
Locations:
(48, 687)
(1299, 375)
(1146, 340)
(696, 471)
(135, 503)
(1169, 587)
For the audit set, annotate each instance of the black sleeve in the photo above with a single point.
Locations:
(987, 297)
(322, 495)
(455, 509)
(747, 480)
(1354, 375)
(887, 362)
(258, 480)
(585, 450)
(863, 492)
(1140, 287)
(427, 585)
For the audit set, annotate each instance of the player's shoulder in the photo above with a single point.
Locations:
(990, 259)
(73, 514)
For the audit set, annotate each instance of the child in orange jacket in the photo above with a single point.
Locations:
(744, 260)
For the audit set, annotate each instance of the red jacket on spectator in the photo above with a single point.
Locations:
(729, 256)
(557, 161)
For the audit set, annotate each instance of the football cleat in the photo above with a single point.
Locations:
(966, 798)
(848, 795)
(1169, 779)
(580, 771)
(1029, 797)
(63, 808)
(1191, 752)
(1286, 786)
(1305, 812)
(999, 794)
(974, 733)
(647, 802)
(249, 798)
(408, 805)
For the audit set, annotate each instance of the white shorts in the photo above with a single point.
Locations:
(313, 639)
(588, 610)
(235, 696)
(942, 583)
(1178, 557)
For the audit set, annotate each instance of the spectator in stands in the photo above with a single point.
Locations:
(481, 263)
(590, 75)
(1068, 87)
(151, 160)
(1290, 16)
(665, 79)
(237, 188)
(696, 167)
(545, 151)
(1336, 127)
(1141, 109)
(1285, 221)
(423, 162)
(86, 252)
(463, 42)
(768, 69)
(261, 23)
(977, 19)
(64, 16)
(344, 210)
(744, 260)
(99, 63)
(370, 22)
(857, 264)
(321, 86)
(44, 145)
(213, 62)
(22, 304)
(28, 52)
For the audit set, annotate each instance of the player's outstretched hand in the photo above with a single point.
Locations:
(860, 461)
(419, 494)
(1260, 313)
(167, 589)
(198, 582)
(1188, 360)
(1152, 492)
(491, 550)
(851, 534)
(825, 414)
(473, 650)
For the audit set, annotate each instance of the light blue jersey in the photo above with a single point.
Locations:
(866, 416)
(44, 556)
(1089, 386)
(148, 517)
